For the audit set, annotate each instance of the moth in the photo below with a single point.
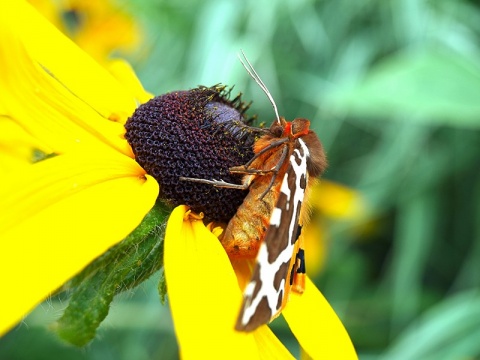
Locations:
(267, 226)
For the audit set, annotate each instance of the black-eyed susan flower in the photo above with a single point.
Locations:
(59, 214)
(331, 202)
(98, 27)
(204, 300)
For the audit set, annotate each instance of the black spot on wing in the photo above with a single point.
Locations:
(292, 273)
(303, 181)
(301, 261)
(297, 226)
(299, 265)
(299, 232)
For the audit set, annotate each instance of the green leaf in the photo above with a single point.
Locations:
(434, 86)
(162, 288)
(449, 330)
(121, 268)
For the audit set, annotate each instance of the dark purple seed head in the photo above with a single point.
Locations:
(199, 133)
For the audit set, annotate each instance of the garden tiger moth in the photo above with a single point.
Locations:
(267, 226)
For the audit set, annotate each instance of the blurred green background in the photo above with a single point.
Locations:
(393, 90)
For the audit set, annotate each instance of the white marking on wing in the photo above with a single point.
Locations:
(286, 190)
(276, 216)
(267, 270)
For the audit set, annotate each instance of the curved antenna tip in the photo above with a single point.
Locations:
(254, 75)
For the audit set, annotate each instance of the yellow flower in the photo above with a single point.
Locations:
(336, 201)
(17, 147)
(205, 298)
(59, 214)
(330, 201)
(98, 27)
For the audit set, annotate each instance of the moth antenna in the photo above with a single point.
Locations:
(251, 71)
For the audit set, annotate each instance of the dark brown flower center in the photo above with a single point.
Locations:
(198, 133)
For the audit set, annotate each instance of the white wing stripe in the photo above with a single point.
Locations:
(268, 270)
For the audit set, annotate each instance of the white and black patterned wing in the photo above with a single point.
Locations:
(265, 293)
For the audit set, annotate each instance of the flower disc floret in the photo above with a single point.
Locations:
(196, 134)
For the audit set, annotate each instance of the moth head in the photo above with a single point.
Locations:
(298, 128)
(277, 128)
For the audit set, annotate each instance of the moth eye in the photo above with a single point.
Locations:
(276, 130)
(183, 134)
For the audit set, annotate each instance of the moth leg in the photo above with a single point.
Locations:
(222, 184)
(275, 172)
(265, 149)
(243, 170)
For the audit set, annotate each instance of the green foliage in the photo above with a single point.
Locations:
(121, 268)
(436, 86)
(444, 331)
(393, 90)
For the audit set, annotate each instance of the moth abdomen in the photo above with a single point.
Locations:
(246, 230)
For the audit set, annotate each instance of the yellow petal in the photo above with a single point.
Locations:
(316, 326)
(243, 270)
(203, 293)
(123, 72)
(336, 200)
(271, 347)
(16, 147)
(46, 108)
(69, 64)
(58, 215)
(315, 238)
(106, 28)
(49, 10)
